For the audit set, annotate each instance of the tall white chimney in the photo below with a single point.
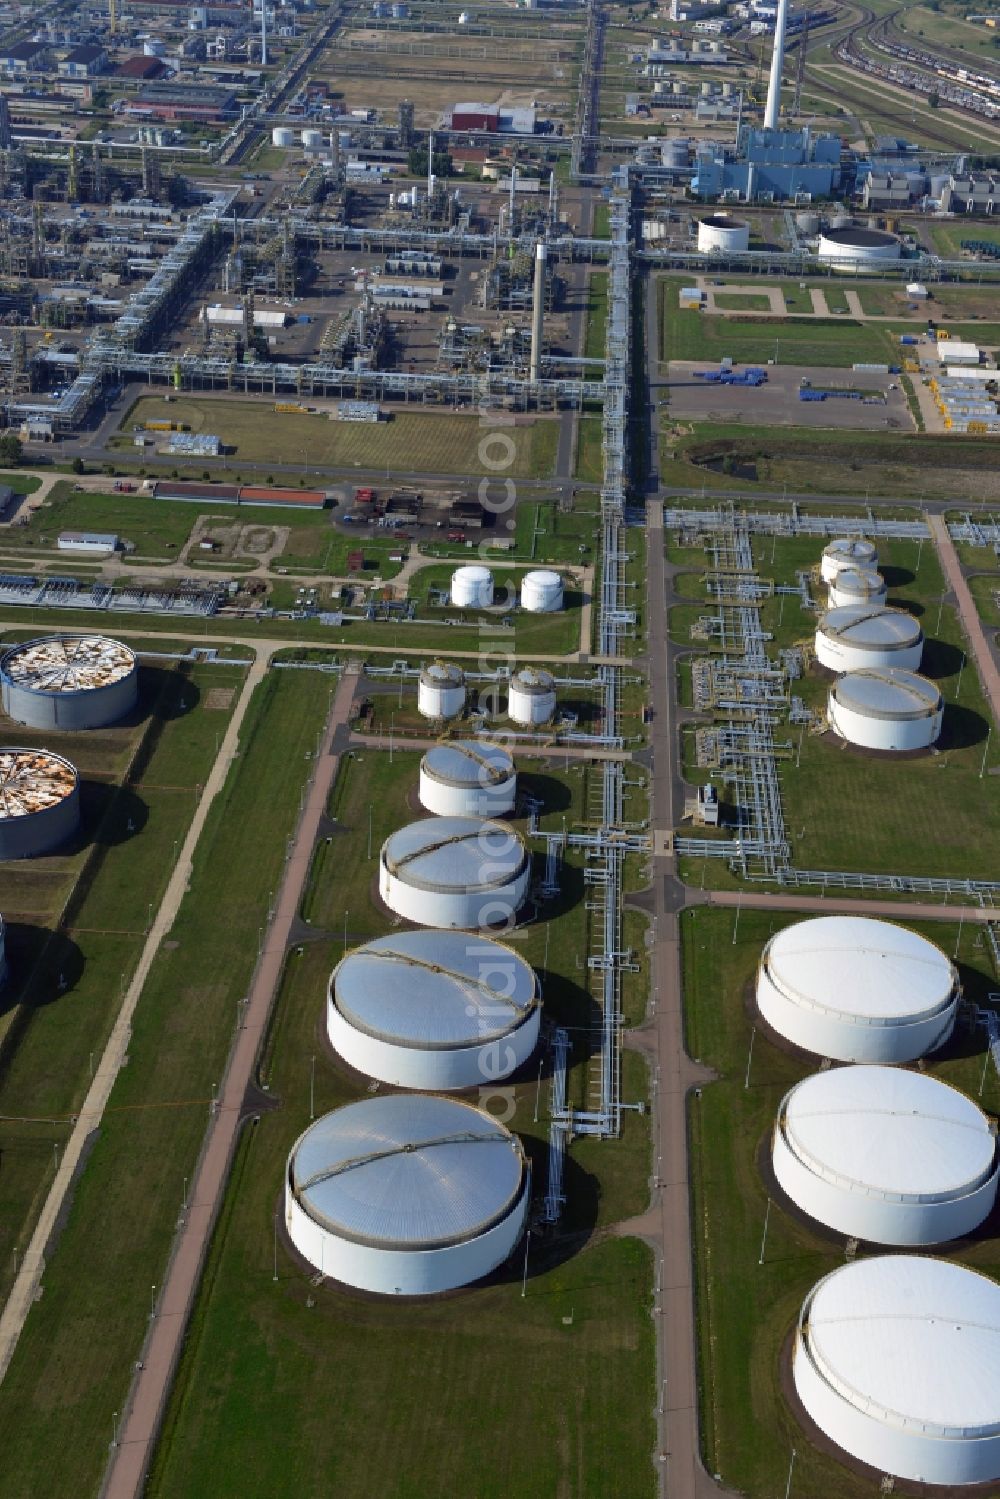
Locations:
(537, 312)
(773, 109)
(263, 33)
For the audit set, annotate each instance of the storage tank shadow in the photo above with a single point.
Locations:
(110, 815)
(40, 966)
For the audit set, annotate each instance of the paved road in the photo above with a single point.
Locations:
(129, 1464)
(666, 1226)
(29, 1276)
(989, 675)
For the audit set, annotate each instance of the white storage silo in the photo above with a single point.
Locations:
(862, 635)
(885, 708)
(542, 592)
(282, 136)
(897, 1360)
(857, 990)
(531, 696)
(434, 1010)
(69, 682)
(853, 249)
(458, 872)
(39, 802)
(886, 1155)
(468, 778)
(719, 233)
(856, 585)
(312, 140)
(848, 551)
(406, 1195)
(471, 587)
(441, 690)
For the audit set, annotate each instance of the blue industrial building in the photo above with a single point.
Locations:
(769, 165)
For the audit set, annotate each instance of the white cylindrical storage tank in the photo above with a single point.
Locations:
(855, 585)
(39, 802)
(406, 1195)
(471, 587)
(886, 1155)
(807, 223)
(884, 708)
(69, 682)
(531, 696)
(897, 1360)
(468, 778)
(441, 690)
(853, 248)
(857, 990)
(542, 591)
(848, 551)
(862, 635)
(434, 1010)
(458, 872)
(312, 140)
(282, 136)
(721, 232)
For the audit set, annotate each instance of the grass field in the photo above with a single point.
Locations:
(829, 462)
(698, 335)
(589, 460)
(746, 1309)
(948, 239)
(68, 965)
(597, 316)
(583, 1412)
(159, 529)
(985, 589)
(74, 1360)
(756, 301)
(417, 442)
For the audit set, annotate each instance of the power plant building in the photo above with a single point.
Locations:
(39, 802)
(886, 1155)
(857, 990)
(70, 682)
(434, 1010)
(455, 872)
(406, 1195)
(468, 778)
(897, 1360)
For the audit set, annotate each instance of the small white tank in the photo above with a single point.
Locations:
(531, 698)
(312, 140)
(542, 592)
(282, 136)
(857, 585)
(847, 552)
(471, 587)
(441, 690)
